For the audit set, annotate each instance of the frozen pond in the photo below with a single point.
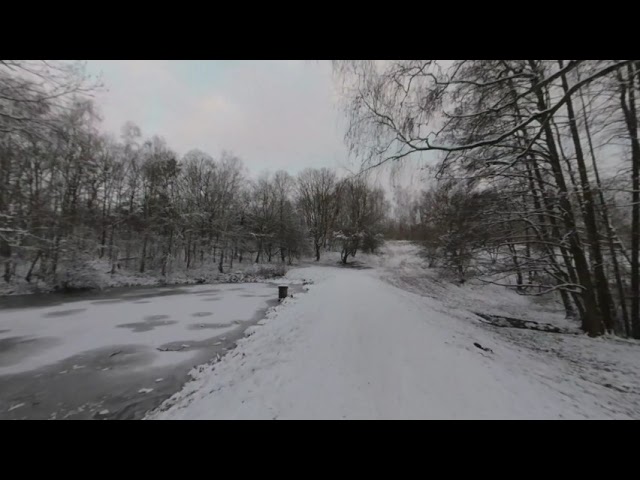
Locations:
(118, 353)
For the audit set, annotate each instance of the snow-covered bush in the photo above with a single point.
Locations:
(268, 270)
(79, 272)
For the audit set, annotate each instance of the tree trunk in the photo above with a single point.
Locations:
(7, 270)
(112, 258)
(259, 251)
(607, 223)
(221, 263)
(592, 321)
(516, 264)
(167, 253)
(188, 252)
(631, 121)
(538, 202)
(103, 236)
(55, 255)
(534, 177)
(144, 253)
(33, 264)
(588, 207)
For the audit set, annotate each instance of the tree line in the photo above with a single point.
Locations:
(72, 196)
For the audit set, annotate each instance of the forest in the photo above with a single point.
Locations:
(75, 201)
(537, 172)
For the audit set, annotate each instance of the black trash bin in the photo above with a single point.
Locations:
(282, 291)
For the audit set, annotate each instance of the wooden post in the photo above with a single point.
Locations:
(282, 291)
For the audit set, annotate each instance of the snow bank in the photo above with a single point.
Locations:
(96, 274)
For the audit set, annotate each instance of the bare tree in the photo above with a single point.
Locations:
(318, 202)
(520, 129)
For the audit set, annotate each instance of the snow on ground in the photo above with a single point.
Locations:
(403, 266)
(357, 347)
(163, 315)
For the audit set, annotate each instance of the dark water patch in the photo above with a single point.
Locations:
(146, 326)
(152, 318)
(107, 302)
(105, 296)
(64, 313)
(165, 292)
(13, 350)
(71, 290)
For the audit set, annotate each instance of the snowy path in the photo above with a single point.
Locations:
(356, 347)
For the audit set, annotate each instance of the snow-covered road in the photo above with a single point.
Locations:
(356, 347)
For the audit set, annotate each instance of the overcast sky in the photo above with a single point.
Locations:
(272, 114)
